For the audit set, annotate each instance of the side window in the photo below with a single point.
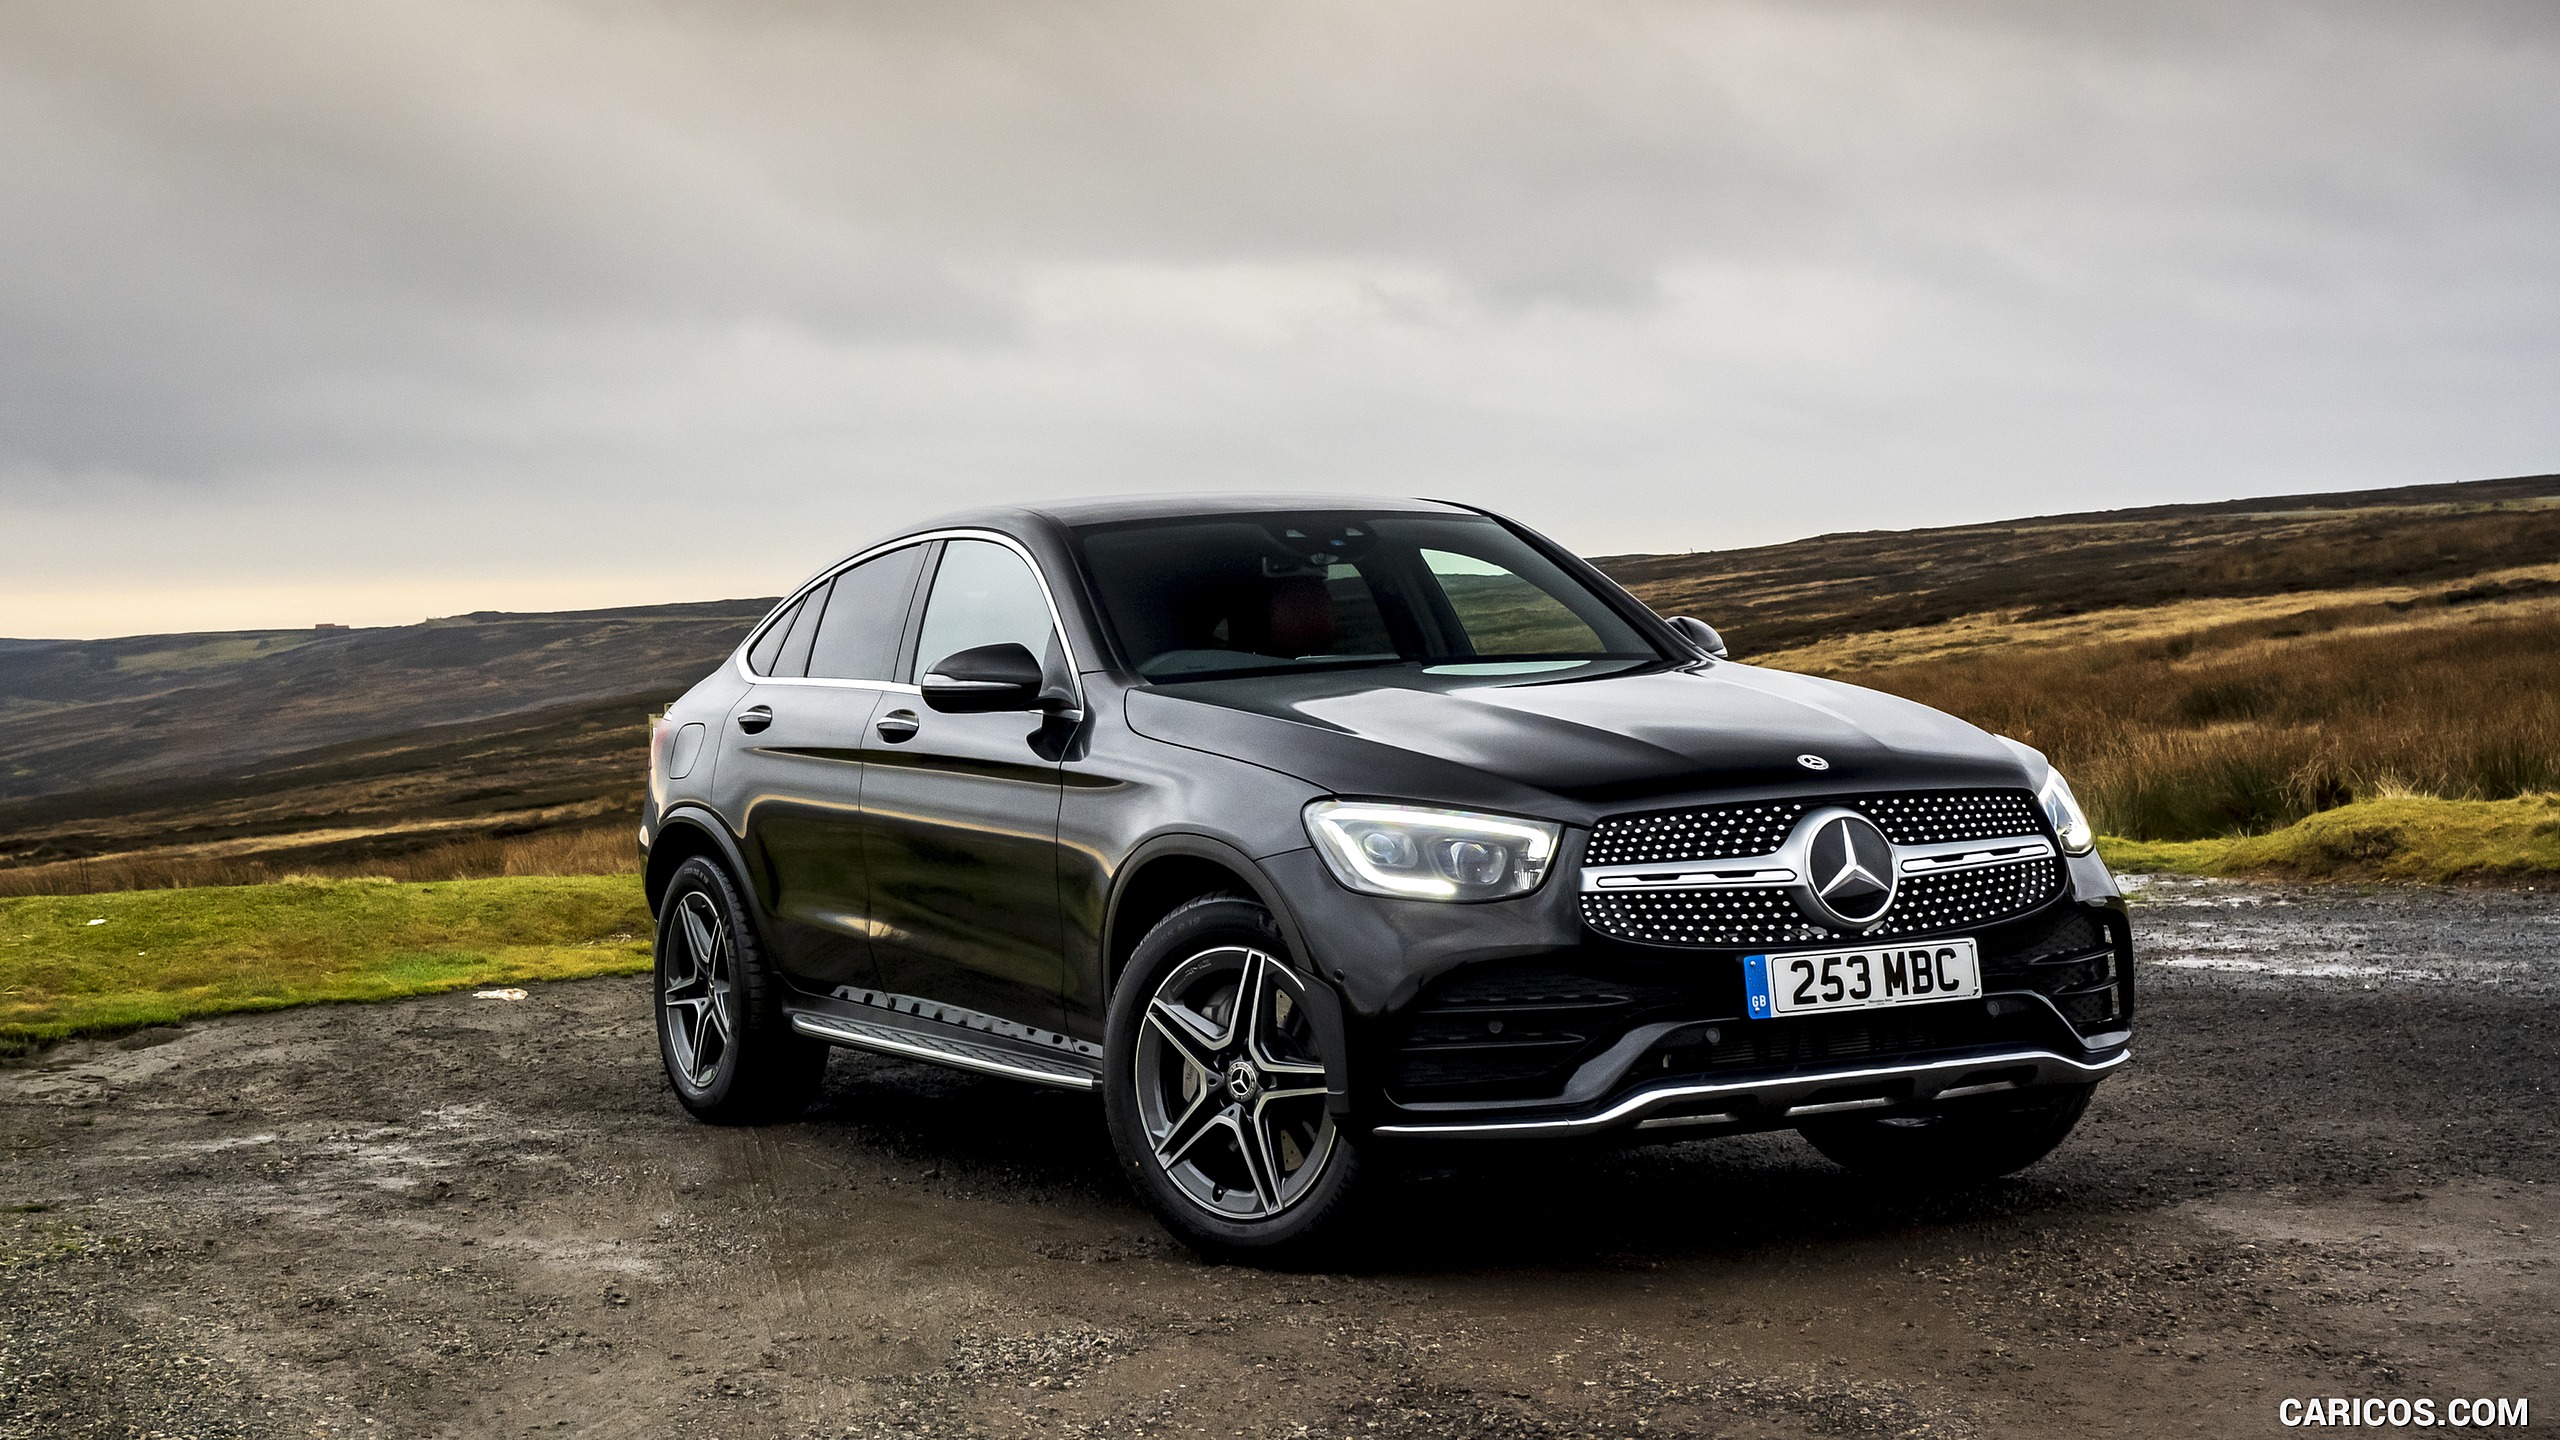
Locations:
(866, 612)
(983, 594)
(768, 646)
(1504, 614)
(794, 659)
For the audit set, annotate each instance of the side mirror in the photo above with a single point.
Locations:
(1701, 634)
(987, 679)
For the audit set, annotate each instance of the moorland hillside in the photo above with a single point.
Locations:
(2199, 670)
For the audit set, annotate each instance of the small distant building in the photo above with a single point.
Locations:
(324, 627)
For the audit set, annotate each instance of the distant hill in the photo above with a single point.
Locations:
(238, 754)
(82, 714)
(1780, 597)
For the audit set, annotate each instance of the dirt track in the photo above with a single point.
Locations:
(2329, 1173)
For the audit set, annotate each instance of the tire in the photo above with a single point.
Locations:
(1973, 1141)
(1223, 1127)
(728, 1048)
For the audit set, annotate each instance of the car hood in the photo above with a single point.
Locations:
(1593, 740)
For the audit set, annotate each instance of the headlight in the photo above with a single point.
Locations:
(1415, 853)
(2063, 809)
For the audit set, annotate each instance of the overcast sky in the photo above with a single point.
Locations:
(368, 311)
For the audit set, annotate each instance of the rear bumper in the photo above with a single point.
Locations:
(1768, 1102)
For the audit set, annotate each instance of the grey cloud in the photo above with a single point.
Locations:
(567, 259)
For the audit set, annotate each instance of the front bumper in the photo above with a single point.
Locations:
(1515, 1020)
(1775, 1100)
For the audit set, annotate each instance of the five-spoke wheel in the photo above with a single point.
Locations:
(730, 1052)
(700, 990)
(1215, 1085)
(1233, 1103)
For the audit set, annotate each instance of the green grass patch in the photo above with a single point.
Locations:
(2161, 857)
(2412, 839)
(168, 955)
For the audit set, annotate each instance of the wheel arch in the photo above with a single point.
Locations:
(682, 835)
(1170, 871)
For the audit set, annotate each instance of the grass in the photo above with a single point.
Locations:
(606, 849)
(2247, 727)
(168, 955)
(2408, 838)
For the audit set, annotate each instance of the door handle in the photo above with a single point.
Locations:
(754, 718)
(898, 726)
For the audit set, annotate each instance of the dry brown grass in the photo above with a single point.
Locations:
(604, 849)
(2243, 728)
(2522, 587)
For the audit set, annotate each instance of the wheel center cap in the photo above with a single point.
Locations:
(1243, 1081)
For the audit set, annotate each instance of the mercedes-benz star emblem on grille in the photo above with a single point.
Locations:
(1813, 762)
(1849, 870)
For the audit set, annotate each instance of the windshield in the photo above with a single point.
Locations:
(1199, 598)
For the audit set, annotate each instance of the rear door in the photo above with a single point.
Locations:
(796, 741)
(960, 812)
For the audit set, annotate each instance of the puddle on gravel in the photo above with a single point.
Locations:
(2241, 933)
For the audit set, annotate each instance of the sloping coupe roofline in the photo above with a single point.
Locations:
(1105, 509)
(1110, 509)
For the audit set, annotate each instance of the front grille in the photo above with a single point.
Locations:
(1962, 898)
(1726, 832)
(1719, 832)
(1709, 918)
(1752, 917)
(1742, 918)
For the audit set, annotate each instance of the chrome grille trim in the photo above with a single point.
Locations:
(1654, 877)
(1971, 854)
(1772, 869)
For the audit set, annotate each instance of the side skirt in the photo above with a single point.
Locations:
(938, 1034)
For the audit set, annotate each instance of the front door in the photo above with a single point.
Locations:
(960, 813)
(797, 740)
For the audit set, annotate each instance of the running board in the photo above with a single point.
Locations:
(1784, 1097)
(941, 1050)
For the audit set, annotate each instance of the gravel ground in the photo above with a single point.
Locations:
(2328, 1173)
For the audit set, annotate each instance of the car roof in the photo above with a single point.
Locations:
(1105, 509)
(1024, 520)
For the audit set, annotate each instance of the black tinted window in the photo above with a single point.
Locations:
(1239, 594)
(866, 613)
(761, 655)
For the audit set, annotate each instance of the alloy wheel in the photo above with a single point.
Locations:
(699, 990)
(1230, 1088)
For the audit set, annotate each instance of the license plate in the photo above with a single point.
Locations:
(1808, 981)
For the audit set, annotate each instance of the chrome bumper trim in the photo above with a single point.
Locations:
(1784, 1096)
(960, 1054)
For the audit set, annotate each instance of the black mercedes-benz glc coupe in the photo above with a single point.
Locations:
(1307, 828)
